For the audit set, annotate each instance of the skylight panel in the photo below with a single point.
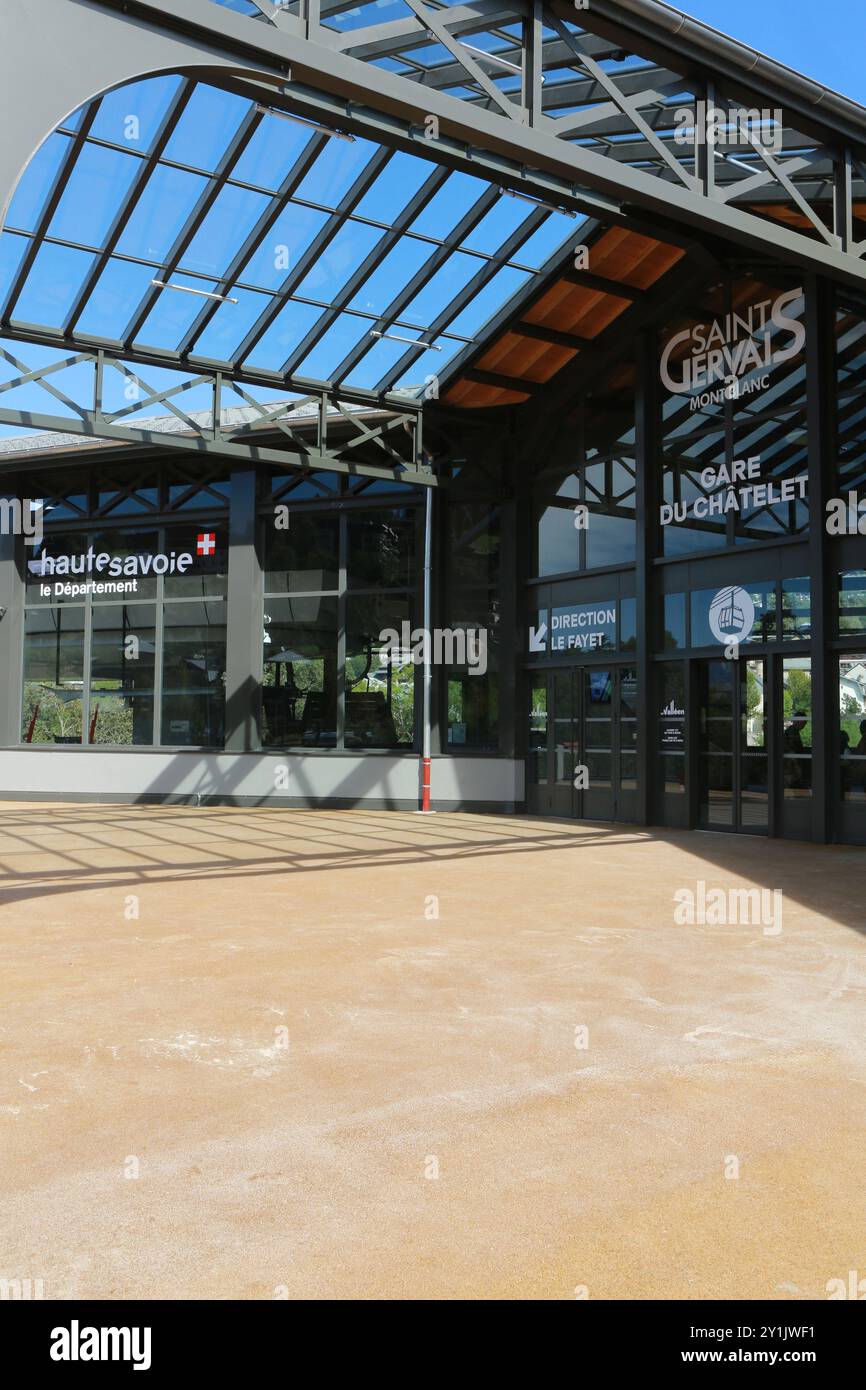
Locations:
(282, 246)
(206, 128)
(439, 291)
(173, 312)
(395, 187)
(497, 225)
(333, 346)
(162, 210)
(488, 300)
(284, 335)
(121, 285)
(340, 259)
(224, 230)
(272, 151)
(396, 270)
(229, 326)
(450, 204)
(335, 171)
(424, 371)
(36, 182)
(11, 250)
(50, 288)
(96, 187)
(548, 238)
(132, 115)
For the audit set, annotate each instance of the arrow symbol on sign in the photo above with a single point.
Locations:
(538, 638)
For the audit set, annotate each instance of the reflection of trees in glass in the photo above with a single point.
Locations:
(113, 717)
(798, 698)
(58, 718)
(754, 709)
(364, 673)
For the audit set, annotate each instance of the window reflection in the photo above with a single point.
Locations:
(852, 727)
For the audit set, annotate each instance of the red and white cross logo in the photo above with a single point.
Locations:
(206, 543)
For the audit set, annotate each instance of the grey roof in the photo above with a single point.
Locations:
(233, 417)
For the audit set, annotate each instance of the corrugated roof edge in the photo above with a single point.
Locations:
(234, 416)
(753, 63)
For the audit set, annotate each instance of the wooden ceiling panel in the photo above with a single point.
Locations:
(473, 394)
(517, 356)
(618, 257)
(631, 258)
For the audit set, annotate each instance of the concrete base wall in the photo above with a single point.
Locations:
(376, 781)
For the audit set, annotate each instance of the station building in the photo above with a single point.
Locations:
(482, 383)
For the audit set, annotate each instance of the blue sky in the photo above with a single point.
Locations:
(825, 40)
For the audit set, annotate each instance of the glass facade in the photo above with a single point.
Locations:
(125, 637)
(335, 584)
(734, 445)
(676, 658)
(584, 503)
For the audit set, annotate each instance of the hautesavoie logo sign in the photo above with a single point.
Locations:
(99, 572)
(728, 349)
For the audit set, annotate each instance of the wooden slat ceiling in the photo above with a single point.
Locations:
(573, 311)
(780, 212)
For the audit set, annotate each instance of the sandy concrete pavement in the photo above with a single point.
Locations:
(258, 1053)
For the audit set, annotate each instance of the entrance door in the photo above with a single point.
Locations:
(734, 754)
(553, 742)
(582, 758)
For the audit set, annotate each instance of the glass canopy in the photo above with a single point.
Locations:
(186, 222)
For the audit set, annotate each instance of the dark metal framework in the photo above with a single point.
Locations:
(598, 111)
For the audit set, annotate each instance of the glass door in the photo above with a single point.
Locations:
(565, 748)
(537, 752)
(582, 743)
(734, 763)
(599, 743)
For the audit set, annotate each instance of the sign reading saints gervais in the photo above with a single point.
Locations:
(715, 361)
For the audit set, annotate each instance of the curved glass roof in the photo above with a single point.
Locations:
(185, 222)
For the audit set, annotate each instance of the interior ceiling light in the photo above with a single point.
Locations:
(398, 338)
(187, 289)
(309, 125)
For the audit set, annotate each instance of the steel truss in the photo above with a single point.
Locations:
(598, 110)
(319, 430)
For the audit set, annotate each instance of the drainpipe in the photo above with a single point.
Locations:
(428, 642)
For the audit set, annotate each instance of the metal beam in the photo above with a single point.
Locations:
(554, 336)
(94, 426)
(500, 379)
(330, 86)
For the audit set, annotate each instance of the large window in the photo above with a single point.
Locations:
(797, 728)
(472, 610)
(584, 500)
(122, 673)
(334, 585)
(125, 637)
(852, 727)
(193, 682)
(53, 675)
(380, 693)
(734, 418)
(851, 401)
(852, 602)
(299, 681)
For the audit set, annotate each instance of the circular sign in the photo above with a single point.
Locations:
(732, 615)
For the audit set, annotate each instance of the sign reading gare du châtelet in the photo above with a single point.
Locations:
(727, 359)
